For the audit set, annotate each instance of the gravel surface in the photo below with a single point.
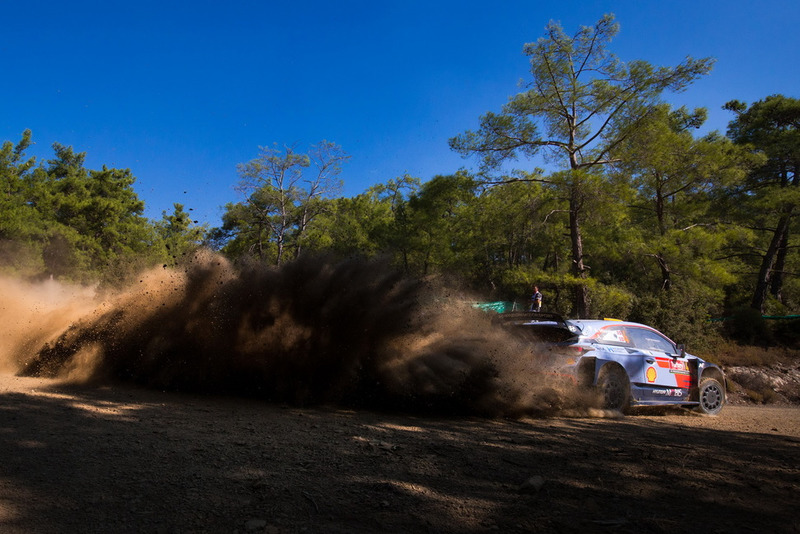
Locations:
(121, 459)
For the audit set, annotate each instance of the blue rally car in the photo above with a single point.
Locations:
(630, 364)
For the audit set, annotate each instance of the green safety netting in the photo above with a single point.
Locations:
(774, 317)
(499, 306)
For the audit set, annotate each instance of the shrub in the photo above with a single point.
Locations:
(681, 313)
(786, 332)
(747, 326)
(610, 301)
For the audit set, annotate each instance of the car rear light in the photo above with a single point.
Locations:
(576, 350)
(572, 352)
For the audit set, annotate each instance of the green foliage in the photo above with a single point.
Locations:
(62, 220)
(509, 228)
(178, 234)
(610, 301)
(23, 227)
(352, 226)
(787, 332)
(747, 326)
(682, 313)
(285, 192)
(674, 176)
(769, 200)
(581, 105)
(438, 231)
(517, 284)
(96, 216)
(642, 219)
(605, 300)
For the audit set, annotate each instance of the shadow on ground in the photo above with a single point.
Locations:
(119, 459)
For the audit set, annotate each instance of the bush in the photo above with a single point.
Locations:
(681, 313)
(786, 332)
(748, 327)
(610, 301)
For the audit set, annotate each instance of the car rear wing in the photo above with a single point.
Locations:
(526, 317)
(542, 325)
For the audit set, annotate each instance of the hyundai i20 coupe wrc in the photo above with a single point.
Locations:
(629, 364)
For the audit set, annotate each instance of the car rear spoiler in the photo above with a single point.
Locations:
(524, 317)
(543, 326)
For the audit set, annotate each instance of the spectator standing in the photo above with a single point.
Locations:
(536, 300)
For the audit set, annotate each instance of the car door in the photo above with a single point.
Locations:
(664, 366)
(613, 343)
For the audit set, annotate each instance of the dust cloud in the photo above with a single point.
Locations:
(33, 314)
(315, 331)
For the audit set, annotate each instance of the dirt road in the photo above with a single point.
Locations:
(119, 459)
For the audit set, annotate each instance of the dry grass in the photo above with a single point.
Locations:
(754, 387)
(729, 353)
(751, 370)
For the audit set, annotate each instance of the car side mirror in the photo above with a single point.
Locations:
(682, 350)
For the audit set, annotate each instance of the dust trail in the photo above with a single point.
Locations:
(32, 314)
(314, 331)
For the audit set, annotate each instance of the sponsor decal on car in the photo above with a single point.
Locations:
(675, 366)
(678, 366)
(669, 392)
(614, 350)
(679, 369)
(651, 374)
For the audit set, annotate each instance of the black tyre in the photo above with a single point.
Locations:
(712, 396)
(614, 389)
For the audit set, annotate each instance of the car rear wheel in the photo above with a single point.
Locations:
(712, 396)
(614, 389)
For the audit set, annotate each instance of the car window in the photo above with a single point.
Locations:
(644, 338)
(612, 335)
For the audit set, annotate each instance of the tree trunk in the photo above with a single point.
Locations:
(280, 242)
(776, 284)
(581, 303)
(666, 273)
(767, 269)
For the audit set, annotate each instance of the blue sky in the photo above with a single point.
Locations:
(182, 92)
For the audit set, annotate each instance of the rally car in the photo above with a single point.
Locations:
(629, 364)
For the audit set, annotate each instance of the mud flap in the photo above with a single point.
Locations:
(587, 372)
(694, 394)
